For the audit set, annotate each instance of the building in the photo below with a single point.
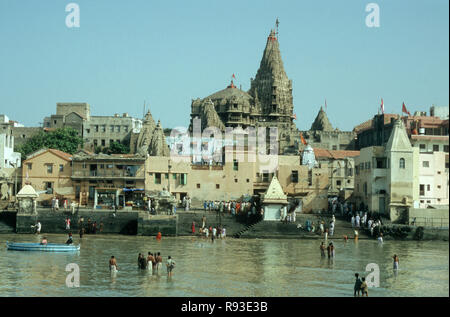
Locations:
(150, 139)
(433, 179)
(387, 177)
(97, 132)
(241, 173)
(440, 112)
(267, 104)
(8, 158)
(49, 171)
(102, 180)
(341, 171)
(426, 132)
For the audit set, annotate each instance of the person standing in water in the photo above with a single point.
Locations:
(357, 287)
(396, 261)
(70, 240)
(113, 264)
(150, 261)
(170, 265)
(364, 288)
(158, 262)
(322, 250)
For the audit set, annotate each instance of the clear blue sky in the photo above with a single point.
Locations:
(169, 52)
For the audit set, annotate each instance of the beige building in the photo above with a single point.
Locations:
(387, 176)
(341, 171)
(102, 180)
(49, 171)
(238, 176)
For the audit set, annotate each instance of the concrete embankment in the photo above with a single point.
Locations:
(141, 223)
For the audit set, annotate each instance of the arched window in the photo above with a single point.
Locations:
(402, 163)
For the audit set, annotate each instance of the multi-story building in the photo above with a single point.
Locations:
(433, 179)
(237, 176)
(49, 171)
(96, 131)
(387, 177)
(425, 132)
(341, 171)
(104, 180)
(102, 131)
(8, 158)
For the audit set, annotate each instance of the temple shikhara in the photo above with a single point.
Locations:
(268, 102)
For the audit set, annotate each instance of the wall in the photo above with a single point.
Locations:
(54, 222)
(429, 217)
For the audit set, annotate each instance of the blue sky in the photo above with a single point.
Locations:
(169, 52)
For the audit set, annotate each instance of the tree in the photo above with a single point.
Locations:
(115, 148)
(63, 139)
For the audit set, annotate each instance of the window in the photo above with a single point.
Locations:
(428, 187)
(111, 128)
(104, 128)
(439, 186)
(174, 176)
(88, 130)
(235, 180)
(30, 166)
(446, 148)
(310, 177)
(183, 179)
(426, 164)
(248, 180)
(84, 165)
(125, 128)
(338, 183)
(294, 177)
(50, 168)
(103, 142)
(402, 163)
(265, 176)
(95, 142)
(102, 166)
(350, 172)
(435, 147)
(422, 146)
(198, 185)
(111, 142)
(365, 189)
(166, 175)
(117, 128)
(334, 147)
(422, 190)
(157, 178)
(217, 186)
(235, 165)
(61, 167)
(96, 128)
(49, 187)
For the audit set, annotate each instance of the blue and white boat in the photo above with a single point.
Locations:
(49, 247)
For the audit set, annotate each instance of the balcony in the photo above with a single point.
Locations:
(108, 174)
(379, 173)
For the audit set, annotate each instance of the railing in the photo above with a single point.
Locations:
(107, 174)
(441, 223)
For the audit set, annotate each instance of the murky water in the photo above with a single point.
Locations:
(231, 267)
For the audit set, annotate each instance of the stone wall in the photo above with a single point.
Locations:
(54, 222)
(167, 225)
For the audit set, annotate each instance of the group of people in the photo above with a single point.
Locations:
(231, 207)
(89, 228)
(213, 232)
(331, 250)
(320, 228)
(153, 263)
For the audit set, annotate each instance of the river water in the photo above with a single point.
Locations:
(225, 268)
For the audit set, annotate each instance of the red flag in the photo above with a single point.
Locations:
(234, 76)
(404, 110)
(302, 139)
(382, 106)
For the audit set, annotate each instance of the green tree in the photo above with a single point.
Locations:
(63, 139)
(116, 148)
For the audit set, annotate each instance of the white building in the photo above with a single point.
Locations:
(387, 177)
(433, 179)
(8, 158)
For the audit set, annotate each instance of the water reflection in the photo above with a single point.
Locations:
(228, 267)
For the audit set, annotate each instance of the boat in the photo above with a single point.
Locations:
(49, 247)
